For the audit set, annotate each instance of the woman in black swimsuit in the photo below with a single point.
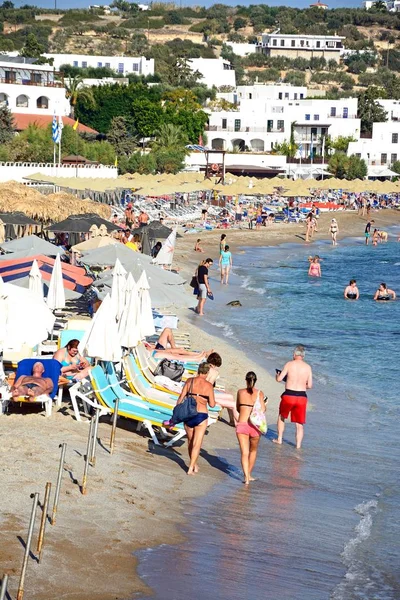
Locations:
(383, 293)
(203, 392)
(351, 292)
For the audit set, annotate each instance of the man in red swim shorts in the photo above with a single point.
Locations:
(297, 375)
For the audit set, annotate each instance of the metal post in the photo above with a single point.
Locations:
(114, 426)
(43, 520)
(20, 593)
(3, 589)
(58, 485)
(94, 439)
(87, 457)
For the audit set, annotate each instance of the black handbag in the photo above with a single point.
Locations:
(186, 409)
(194, 283)
(171, 369)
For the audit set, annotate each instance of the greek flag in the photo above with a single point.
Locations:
(55, 132)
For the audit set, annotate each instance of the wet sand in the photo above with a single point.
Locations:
(134, 497)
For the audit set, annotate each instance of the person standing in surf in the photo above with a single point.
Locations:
(297, 375)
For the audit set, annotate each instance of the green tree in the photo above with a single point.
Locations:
(379, 6)
(142, 163)
(369, 110)
(75, 91)
(357, 167)
(338, 165)
(120, 137)
(169, 161)
(7, 5)
(147, 117)
(170, 136)
(6, 125)
(239, 23)
(33, 49)
(396, 166)
(341, 143)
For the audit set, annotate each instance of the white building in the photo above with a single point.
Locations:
(26, 88)
(259, 124)
(262, 91)
(214, 71)
(241, 48)
(120, 64)
(383, 148)
(304, 46)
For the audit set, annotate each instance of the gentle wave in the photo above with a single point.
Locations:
(356, 579)
(245, 285)
(227, 329)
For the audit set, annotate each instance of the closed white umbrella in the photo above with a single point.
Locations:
(118, 289)
(56, 293)
(166, 254)
(128, 326)
(35, 280)
(24, 318)
(101, 340)
(146, 321)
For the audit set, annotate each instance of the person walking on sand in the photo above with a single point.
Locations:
(247, 434)
(225, 263)
(222, 243)
(204, 286)
(334, 230)
(196, 426)
(297, 375)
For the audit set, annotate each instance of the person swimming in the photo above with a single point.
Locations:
(383, 293)
(351, 291)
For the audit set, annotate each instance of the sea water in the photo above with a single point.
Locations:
(322, 523)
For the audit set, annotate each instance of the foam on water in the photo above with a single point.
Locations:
(247, 281)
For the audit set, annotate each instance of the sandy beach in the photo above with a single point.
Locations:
(135, 496)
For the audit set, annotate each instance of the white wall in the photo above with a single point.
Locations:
(120, 64)
(214, 71)
(384, 146)
(242, 49)
(17, 171)
(260, 91)
(13, 94)
(198, 159)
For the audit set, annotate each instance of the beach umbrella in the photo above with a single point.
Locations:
(35, 280)
(118, 289)
(128, 326)
(56, 294)
(146, 322)
(32, 245)
(24, 318)
(166, 254)
(101, 340)
(2, 231)
(146, 248)
(16, 218)
(97, 242)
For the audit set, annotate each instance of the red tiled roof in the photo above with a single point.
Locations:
(23, 121)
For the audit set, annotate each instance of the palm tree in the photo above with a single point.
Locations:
(169, 136)
(75, 90)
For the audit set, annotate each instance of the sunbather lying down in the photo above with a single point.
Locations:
(33, 385)
(163, 351)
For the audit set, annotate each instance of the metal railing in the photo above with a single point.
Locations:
(19, 81)
(251, 129)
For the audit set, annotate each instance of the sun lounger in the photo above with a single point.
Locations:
(135, 409)
(139, 385)
(52, 369)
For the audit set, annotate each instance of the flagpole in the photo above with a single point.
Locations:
(323, 157)
(54, 155)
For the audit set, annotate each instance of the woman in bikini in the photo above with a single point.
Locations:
(248, 436)
(196, 426)
(74, 366)
(315, 267)
(334, 230)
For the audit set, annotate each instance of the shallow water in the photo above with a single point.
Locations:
(322, 524)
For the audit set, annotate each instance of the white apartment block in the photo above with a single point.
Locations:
(120, 64)
(261, 91)
(304, 46)
(214, 71)
(258, 124)
(241, 48)
(383, 148)
(31, 89)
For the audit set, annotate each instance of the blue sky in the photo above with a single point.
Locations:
(292, 3)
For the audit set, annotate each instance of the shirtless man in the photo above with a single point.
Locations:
(298, 378)
(33, 385)
(143, 218)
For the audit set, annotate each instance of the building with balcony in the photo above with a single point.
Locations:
(258, 125)
(382, 149)
(138, 65)
(304, 46)
(26, 88)
(214, 71)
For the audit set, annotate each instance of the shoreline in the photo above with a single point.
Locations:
(136, 497)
